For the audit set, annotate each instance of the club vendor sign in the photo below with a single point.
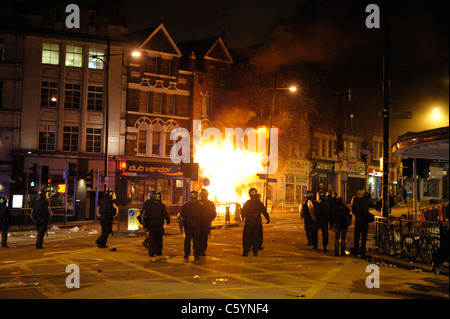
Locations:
(156, 170)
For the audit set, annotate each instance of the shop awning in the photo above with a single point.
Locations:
(431, 144)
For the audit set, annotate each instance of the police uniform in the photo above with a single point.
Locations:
(4, 220)
(323, 217)
(155, 214)
(41, 215)
(209, 213)
(106, 214)
(251, 213)
(191, 214)
(309, 218)
(360, 208)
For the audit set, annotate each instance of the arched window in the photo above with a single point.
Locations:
(154, 137)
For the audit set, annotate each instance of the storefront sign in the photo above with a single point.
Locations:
(324, 167)
(356, 170)
(153, 170)
(298, 167)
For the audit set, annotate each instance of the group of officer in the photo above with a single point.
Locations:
(198, 213)
(328, 211)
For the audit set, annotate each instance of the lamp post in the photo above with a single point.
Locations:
(292, 89)
(107, 65)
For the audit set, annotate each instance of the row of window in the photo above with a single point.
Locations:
(74, 55)
(327, 148)
(159, 103)
(72, 96)
(71, 138)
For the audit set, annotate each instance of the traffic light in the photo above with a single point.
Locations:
(72, 169)
(122, 166)
(44, 175)
(90, 179)
(34, 175)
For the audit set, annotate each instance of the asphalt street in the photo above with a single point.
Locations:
(285, 269)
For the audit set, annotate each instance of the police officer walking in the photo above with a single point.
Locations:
(5, 220)
(360, 208)
(191, 215)
(309, 218)
(155, 214)
(105, 211)
(209, 213)
(251, 213)
(41, 215)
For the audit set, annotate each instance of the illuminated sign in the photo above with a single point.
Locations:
(152, 170)
(61, 188)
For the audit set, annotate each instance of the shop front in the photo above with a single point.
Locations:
(356, 177)
(374, 182)
(297, 173)
(138, 179)
(322, 176)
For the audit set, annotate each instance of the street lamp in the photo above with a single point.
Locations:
(106, 63)
(292, 89)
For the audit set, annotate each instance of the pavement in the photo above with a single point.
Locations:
(26, 235)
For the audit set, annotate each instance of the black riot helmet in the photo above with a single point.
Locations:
(309, 195)
(109, 193)
(41, 194)
(321, 195)
(253, 193)
(193, 195)
(3, 201)
(204, 194)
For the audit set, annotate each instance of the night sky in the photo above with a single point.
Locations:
(330, 32)
(325, 31)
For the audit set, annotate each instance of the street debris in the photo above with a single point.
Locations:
(17, 283)
(74, 229)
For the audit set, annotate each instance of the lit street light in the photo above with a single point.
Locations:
(106, 63)
(292, 89)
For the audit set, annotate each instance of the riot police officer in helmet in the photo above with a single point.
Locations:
(251, 213)
(41, 215)
(191, 215)
(155, 214)
(309, 218)
(323, 217)
(208, 215)
(5, 220)
(105, 211)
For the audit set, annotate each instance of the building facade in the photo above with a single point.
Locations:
(55, 83)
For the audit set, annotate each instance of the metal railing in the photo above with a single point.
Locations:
(408, 238)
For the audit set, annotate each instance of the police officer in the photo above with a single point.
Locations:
(251, 213)
(191, 215)
(41, 215)
(155, 214)
(323, 214)
(105, 211)
(209, 213)
(5, 219)
(360, 208)
(309, 218)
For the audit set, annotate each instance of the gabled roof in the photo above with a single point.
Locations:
(154, 39)
(205, 49)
